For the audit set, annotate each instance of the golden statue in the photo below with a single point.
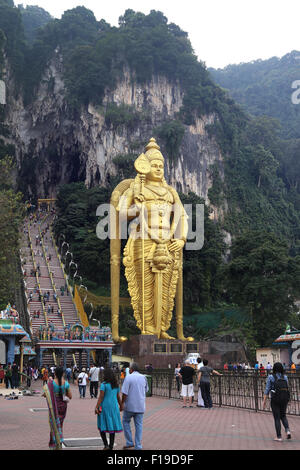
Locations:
(153, 253)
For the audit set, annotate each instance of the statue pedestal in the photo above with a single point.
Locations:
(148, 349)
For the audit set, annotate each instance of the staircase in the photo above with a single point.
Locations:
(45, 276)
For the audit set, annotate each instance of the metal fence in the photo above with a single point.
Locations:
(244, 390)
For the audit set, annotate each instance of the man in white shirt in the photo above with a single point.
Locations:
(82, 380)
(94, 380)
(200, 399)
(134, 389)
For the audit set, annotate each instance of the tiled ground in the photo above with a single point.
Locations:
(167, 426)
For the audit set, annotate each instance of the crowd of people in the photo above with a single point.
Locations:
(276, 388)
(125, 391)
(111, 401)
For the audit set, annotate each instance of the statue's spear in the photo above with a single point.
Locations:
(143, 167)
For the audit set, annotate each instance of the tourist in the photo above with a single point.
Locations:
(2, 374)
(134, 389)
(204, 380)
(7, 377)
(186, 374)
(29, 375)
(268, 368)
(35, 373)
(45, 375)
(94, 380)
(279, 399)
(262, 371)
(108, 409)
(177, 376)
(15, 376)
(200, 403)
(59, 396)
(69, 374)
(82, 380)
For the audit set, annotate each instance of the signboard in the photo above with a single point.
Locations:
(160, 348)
(176, 347)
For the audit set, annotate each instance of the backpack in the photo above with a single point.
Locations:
(280, 391)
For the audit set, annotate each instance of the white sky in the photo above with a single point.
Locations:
(222, 32)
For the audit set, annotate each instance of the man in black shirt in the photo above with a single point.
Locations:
(186, 374)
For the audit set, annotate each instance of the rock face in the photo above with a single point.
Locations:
(58, 145)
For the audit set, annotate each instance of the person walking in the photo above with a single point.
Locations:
(204, 380)
(134, 389)
(200, 400)
(7, 377)
(108, 409)
(69, 373)
(58, 396)
(186, 374)
(277, 386)
(45, 375)
(94, 380)
(82, 381)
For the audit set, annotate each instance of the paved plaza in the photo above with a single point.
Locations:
(167, 426)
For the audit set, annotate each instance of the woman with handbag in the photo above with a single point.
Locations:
(108, 409)
(58, 394)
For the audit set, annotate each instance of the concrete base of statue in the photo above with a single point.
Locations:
(161, 353)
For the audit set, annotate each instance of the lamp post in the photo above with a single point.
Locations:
(81, 285)
(58, 241)
(24, 340)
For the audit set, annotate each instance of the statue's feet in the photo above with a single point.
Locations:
(164, 335)
(120, 339)
(189, 338)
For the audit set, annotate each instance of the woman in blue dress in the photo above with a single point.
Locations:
(108, 409)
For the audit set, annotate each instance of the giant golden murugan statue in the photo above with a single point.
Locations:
(153, 253)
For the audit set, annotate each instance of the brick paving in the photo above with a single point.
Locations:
(167, 426)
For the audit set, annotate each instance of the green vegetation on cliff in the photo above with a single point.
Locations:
(256, 191)
(11, 216)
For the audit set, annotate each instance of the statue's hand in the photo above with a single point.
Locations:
(176, 245)
(140, 198)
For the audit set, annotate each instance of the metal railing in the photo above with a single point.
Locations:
(244, 390)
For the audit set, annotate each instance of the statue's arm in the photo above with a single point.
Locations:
(180, 220)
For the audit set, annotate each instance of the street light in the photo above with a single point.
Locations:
(58, 240)
(81, 285)
(24, 340)
(91, 311)
(64, 243)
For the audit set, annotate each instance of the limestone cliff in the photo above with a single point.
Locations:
(58, 145)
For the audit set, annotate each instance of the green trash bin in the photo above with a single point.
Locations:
(149, 380)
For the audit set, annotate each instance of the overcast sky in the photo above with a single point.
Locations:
(222, 32)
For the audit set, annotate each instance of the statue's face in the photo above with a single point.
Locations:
(157, 171)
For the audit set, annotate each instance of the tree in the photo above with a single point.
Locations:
(11, 217)
(263, 276)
